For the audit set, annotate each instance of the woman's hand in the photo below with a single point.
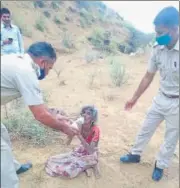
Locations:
(79, 136)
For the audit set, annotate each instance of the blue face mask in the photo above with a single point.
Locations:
(42, 74)
(164, 40)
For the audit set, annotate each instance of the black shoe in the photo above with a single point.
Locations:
(130, 158)
(157, 173)
(24, 168)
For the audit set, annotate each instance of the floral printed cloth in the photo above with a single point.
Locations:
(70, 165)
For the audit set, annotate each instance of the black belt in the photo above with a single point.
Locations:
(171, 96)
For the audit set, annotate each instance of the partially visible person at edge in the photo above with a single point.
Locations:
(20, 76)
(11, 38)
(165, 106)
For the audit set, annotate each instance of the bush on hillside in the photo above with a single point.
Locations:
(83, 4)
(125, 48)
(89, 4)
(90, 56)
(47, 14)
(118, 73)
(137, 38)
(57, 20)
(102, 40)
(67, 41)
(86, 18)
(40, 25)
(39, 3)
(55, 5)
(83, 22)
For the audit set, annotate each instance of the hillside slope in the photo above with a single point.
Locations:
(75, 24)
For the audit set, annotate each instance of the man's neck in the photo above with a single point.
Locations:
(7, 25)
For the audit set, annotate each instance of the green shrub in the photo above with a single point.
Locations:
(83, 4)
(83, 22)
(137, 38)
(21, 123)
(57, 20)
(47, 14)
(118, 73)
(101, 40)
(97, 37)
(55, 5)
(40, 25)
(90, 56)
(67, 41)
(86, 18)
(39, 3)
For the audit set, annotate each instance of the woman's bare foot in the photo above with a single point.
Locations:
(96, 171)
(69, 140)
(88, 172)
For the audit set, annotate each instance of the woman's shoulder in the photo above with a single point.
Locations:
(96, 128)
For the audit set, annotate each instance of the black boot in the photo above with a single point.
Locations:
(24, 168)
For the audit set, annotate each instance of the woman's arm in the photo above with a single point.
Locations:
(91, 148)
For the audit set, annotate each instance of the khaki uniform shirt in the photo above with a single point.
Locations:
(167, 62)
(19, 77)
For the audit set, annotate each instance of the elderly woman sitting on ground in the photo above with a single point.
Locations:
(85, 156)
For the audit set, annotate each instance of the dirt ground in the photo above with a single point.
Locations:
(76, 87)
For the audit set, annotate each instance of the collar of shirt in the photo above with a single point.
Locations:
(176, 47)
(10, 26)
(36, 67)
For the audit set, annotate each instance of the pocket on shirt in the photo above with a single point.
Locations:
(175, 75)
(175, 72)
(163, 71)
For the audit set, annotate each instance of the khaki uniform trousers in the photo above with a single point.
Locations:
(9, 165)
(163, 109)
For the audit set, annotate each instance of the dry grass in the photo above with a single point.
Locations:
(92, 77)
(21, 124)
(118, 72)
(67, 41)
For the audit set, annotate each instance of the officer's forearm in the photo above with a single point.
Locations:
(51, 121)
(42, 115)
(144, 84)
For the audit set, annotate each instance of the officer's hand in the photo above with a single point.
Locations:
(129, 104)
(62, 117)
(69, 129)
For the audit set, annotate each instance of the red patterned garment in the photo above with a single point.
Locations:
(70, 165)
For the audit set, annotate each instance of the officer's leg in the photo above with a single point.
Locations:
(153, 119)
(18, 167)
(9, 177)
(7, 140)
(170, 142)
